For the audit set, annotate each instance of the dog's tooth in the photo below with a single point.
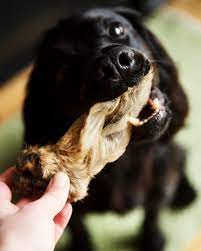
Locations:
(141, 123)
(134, 121)
(156, 104)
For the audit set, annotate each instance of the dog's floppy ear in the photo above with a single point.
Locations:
(168, 76)
(40, 114)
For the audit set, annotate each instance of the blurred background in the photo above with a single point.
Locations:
(178, 25)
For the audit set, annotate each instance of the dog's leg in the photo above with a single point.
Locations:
(164, 178)
(185, 193)
(151, 237)
(169, 187)
(80, 240)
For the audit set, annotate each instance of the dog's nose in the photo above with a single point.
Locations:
(133, 61)
(130, 64)
(126, 59)
(112, 71)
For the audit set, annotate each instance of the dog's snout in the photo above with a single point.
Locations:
(113, 70)
(141, 64)
(131, 64)
(126, 59)
(105, 71)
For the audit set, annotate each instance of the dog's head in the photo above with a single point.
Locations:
(88, 58)
(115, 56)
(96, 55)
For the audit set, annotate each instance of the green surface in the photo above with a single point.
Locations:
(182, 38)
(11, 135)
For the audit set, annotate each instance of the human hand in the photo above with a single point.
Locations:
(33, 225)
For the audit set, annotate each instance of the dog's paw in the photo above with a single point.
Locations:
(151, 241)
(184, 196)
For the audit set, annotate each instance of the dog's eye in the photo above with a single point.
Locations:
(116, 30)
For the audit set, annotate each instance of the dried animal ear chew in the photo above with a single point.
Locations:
(95, 139)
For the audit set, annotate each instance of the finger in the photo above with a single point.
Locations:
(5, 193)
(55, 197)
(6, 176)
(61, 221)
(23, 202)
(6, 209)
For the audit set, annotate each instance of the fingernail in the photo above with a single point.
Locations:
(60, 179)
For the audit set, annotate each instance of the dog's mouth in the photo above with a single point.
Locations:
(153, 111)
(149, 112)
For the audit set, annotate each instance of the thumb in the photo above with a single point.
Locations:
(55, 197)
(6, 207)
(5, 193)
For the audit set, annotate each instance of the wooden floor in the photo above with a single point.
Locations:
(192, 7)
(12, 95)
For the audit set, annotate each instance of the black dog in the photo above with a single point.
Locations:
(95, 56)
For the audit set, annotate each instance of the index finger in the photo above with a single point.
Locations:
(6, 176)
